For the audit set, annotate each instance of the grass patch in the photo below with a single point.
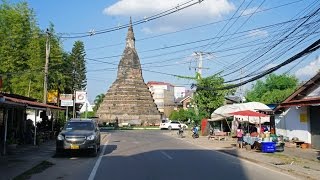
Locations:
(36, 169)
(286, 159)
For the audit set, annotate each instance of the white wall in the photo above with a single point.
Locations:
(289, 125)
(179, 91)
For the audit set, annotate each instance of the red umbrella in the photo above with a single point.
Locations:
(248, 113)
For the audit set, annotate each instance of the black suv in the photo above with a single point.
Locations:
(79, 134)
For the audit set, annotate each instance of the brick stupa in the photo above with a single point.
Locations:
(129, 100)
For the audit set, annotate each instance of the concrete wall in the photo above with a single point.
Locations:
(289, 124)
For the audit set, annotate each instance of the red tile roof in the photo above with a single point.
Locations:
(158, 83)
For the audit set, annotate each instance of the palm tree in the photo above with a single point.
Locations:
(97, 101)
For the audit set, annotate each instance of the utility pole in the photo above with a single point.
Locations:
(200, 61)
(45, 84)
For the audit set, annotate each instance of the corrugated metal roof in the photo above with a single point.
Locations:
(31, 103)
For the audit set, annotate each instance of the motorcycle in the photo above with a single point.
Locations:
(195, 134)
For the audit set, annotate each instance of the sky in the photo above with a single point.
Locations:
(237, 38)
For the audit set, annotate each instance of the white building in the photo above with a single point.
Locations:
(179, 92)
(298, 115)
(163, 96)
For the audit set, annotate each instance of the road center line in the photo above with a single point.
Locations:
(166, 155)
(96, 166)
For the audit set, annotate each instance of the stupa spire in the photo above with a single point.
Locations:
(130, 40)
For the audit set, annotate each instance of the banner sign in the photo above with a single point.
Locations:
(52, 96)
(81, 96)
(66, 97)
(66, 103)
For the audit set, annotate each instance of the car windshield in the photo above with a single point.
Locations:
(79, 126)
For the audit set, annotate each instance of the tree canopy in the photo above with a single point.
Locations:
(206, 98)
(22, 55)
(274, 90)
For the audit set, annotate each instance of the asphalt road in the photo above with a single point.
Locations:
(152, 155)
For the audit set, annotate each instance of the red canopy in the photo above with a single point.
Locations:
(248, 113)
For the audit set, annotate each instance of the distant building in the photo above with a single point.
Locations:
(163, 95)
(186, 101)
(179, 91)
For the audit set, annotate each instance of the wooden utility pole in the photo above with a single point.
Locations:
(45, 83)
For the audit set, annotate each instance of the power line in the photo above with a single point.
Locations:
(150, 18)
(277, 43)
(196, 27)
(313, 47)
(202, 40)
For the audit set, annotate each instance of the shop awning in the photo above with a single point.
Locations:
(224, 111)
(250, 116)
(30, 104)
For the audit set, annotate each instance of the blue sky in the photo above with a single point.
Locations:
(240, 39)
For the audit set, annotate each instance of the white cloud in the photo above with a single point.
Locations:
(308, 71)
(138, 9)
(258, 33)
(249, 11)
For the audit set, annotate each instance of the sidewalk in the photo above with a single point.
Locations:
(24, 158)
(300, 162)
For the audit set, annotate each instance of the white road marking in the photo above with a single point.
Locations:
(96, 166)
(166, 155)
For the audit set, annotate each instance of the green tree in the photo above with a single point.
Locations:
(22, 53)
(206, 98)
(77, 58)
(97, 101)
(274, 90)
(185, 115)
(19, 48)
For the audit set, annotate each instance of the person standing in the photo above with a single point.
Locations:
(240, 136)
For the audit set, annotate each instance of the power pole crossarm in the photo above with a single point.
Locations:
(200, 54)
(45, 83)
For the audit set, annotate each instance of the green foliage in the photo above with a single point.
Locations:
(23, 52)
(185, 115)
(275, 89)
(19, 48)
(206, 99)
(79, 64)
(97, 101)
(89, 114)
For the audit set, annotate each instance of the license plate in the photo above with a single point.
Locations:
(73, 146)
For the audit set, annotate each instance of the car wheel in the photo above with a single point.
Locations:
(94, 151)
(99, 147)
(169, 128)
